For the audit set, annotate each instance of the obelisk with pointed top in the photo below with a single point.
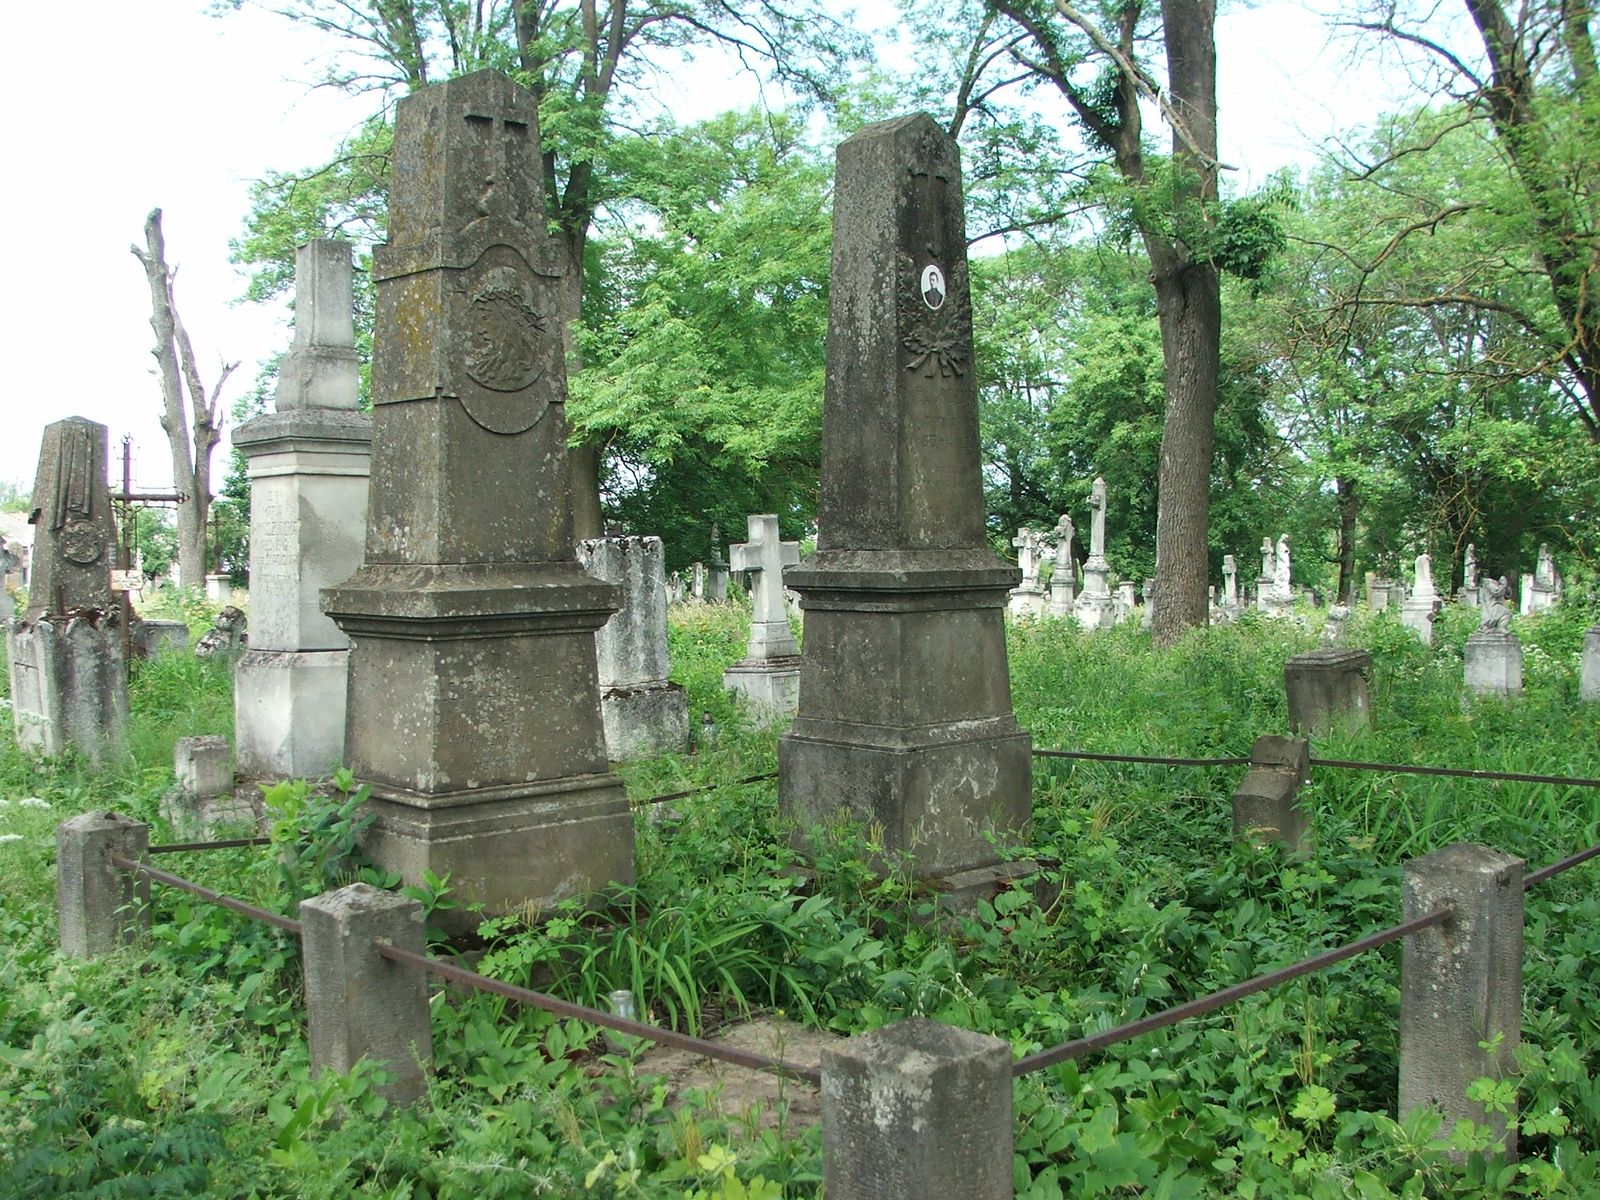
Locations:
(905, 718)
(474, 707)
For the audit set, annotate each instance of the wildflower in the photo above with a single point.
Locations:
(32, 802)
(9, 837)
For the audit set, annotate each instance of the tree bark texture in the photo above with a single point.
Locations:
(192, 429)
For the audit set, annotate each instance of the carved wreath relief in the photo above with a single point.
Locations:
(935, 318)
(503, 343)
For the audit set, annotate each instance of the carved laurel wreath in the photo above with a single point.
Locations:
(938, 340)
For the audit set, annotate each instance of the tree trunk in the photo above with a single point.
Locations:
(583, 459)
(1349, 509)
(175, 367)
(1189, 304)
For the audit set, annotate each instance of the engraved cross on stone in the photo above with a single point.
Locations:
(500, 128)
(931, 192)
(766, 556)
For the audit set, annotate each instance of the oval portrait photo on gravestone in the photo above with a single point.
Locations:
(933, 286)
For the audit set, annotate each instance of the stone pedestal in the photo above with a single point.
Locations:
(1094, 607)
(99, 906)
(474, 703)
(643, 713)
(69, 684)
(1063, 593)
(1417, 614)
(1494, 664)
(308, 473)
(905, 718)
(1327, 689)
(1027, 601)
(1589, 672)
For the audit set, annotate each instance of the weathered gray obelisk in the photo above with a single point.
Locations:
(308, 463)
(69, 683)
(905, 716)
(474, 710)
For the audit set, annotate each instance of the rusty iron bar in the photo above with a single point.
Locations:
(1533, 878)
(1456, 772)
(566, 1008)
(709, 787)
(1144, 758)
(225, 844)
(188, 885)
(1194, 1008)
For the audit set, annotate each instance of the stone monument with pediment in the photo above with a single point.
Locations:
(308, 463)
(905, 721)
(474, 706)
(69, 682)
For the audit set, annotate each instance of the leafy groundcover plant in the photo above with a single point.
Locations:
(180, 1068)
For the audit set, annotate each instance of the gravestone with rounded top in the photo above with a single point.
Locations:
(474, 706)
(905, 720)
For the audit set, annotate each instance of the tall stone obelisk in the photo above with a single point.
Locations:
(474, 709)
(905, 718)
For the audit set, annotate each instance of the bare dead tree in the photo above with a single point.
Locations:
(189, 411)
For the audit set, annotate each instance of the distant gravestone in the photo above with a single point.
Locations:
(67, 670)
(1027, 598)
(1544, 592)
(1064, 579)
(474, 704)
(1328, 689)
(1422, 606)
(768, 676)
(1589, 673)
(308, 464)
(644, 714)
(1095, 608)
(905, 718)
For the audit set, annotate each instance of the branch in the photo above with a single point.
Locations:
(1416, 39)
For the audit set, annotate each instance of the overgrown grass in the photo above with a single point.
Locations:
(182, 1070)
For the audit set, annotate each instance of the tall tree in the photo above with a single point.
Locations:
(1529, 71)
(586, 61)
(1095, 63)
(189, 413)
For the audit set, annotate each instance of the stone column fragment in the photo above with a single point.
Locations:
(1266, 804)
(917, 1111)
(100, 906)
(644, 714)
(358, 1003)
(1327, 689)
(1461, 982)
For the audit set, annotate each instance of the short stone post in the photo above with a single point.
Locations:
(1327, 689)
(1589, 674)
(204, 800)
(358, 1003)
(1461, 982)
(99, 905)
(1493, 663)
(917, 1110)
(1266, 804)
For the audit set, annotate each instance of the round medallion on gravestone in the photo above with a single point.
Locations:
(80, 542)
(506, 344)
(933, 286)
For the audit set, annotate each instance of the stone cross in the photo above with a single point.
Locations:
(1266, 558)
(1097, 520)
(1029, 555)
(766, 556)
(1064, 535)
(1230, 581)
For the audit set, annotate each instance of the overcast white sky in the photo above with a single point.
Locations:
(164, 105)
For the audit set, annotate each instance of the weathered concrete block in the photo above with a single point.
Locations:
(1589, 673)
(289, 712)
(1327, 689)
(1461, 982)
(358, 1003)
(643, 722)
(1493, 664)
(100, 906)
(69, 684)
(917, 1111)
(1266, 804)
(158, 637)
(770, 687)
(203, 765)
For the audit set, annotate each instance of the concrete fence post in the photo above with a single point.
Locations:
(1266, 804)
(100, 906)
(1461, 982)
(358, 1003)
(917, 1110)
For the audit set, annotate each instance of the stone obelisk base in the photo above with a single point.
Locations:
(905, 722)
(474, 713)
(69, 684)
(288, 711)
